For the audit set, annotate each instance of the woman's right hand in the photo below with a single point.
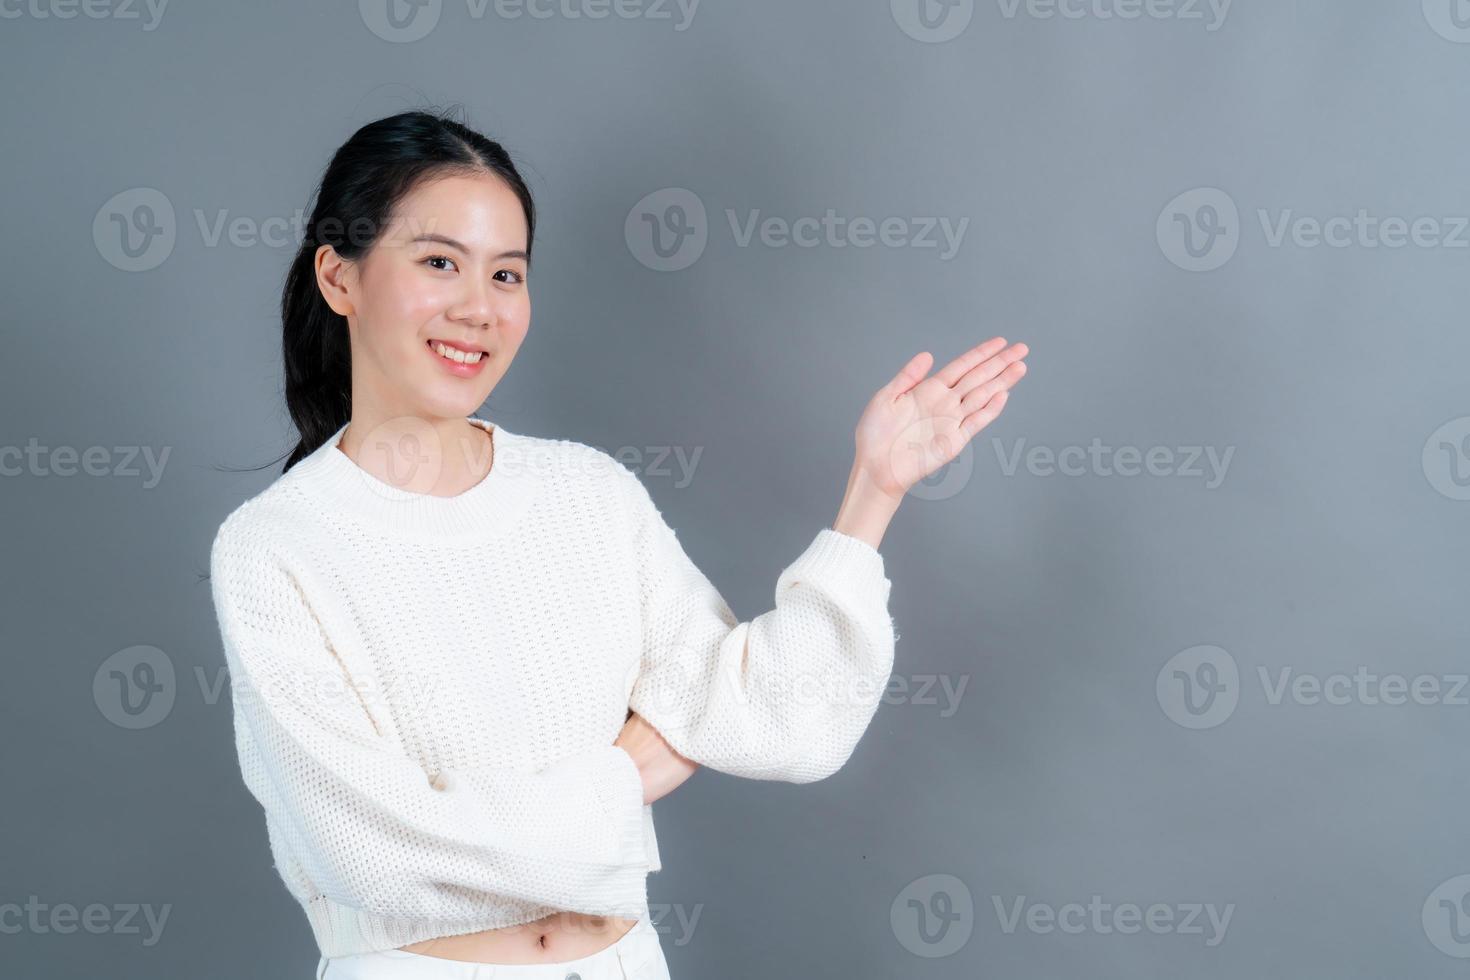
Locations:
(662, 769)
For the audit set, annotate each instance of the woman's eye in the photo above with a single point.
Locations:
(430, 260)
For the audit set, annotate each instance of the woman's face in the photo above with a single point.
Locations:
(450, 269)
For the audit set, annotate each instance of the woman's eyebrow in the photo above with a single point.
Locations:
(453, 243)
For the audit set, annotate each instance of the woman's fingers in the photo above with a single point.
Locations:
(989, 368)
(956, 369)
(983, 416)
(977, 396)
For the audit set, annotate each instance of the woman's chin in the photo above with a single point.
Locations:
(456, 399)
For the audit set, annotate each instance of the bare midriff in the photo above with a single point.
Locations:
(556, 938)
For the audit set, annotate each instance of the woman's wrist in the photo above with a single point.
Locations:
(866, 509)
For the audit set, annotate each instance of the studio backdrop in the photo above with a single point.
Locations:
(1180, 684)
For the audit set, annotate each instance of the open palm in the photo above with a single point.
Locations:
(914, 425)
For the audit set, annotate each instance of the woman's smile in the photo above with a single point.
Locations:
(460, 360)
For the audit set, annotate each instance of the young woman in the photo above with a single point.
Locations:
(464, 661)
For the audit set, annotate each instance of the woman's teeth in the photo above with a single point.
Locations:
(457, 355)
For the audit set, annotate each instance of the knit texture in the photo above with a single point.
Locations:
(426, 689)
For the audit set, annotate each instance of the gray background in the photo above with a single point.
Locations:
(1333, 543)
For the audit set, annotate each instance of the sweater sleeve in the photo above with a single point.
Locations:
(372, 828)
(784, 696)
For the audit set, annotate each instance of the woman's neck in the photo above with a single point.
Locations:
(439, 457)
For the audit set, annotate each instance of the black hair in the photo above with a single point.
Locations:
(367, 177)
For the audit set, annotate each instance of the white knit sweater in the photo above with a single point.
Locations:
(426, 689)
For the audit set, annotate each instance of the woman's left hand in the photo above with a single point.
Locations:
(661, 768)
(916, 424)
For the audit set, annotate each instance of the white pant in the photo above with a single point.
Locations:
(637, 955)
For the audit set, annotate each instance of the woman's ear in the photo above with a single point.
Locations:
(331, 278)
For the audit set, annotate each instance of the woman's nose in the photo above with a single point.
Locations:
(476, 307)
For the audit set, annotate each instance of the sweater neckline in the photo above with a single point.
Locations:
(471, 515)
